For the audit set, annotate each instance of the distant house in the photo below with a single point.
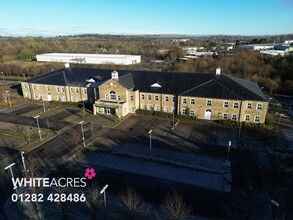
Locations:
(210, 96)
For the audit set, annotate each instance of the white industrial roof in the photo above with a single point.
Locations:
(119, 56)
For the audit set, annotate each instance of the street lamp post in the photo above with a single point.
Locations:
(173, 117)
(281, 115)
(23, 162)
(28, 76)
(8, 98)
(82, 133)
(12, 176)
(9, 71)
(150, 132)
(229, 146)
(104, 191)
(37, 118)
(274, 205)
(2, 77)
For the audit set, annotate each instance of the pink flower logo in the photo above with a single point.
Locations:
(89, 173)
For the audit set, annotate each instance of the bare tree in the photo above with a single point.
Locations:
(61, 204)
(133, 204)
(94, 200)
(175, 207)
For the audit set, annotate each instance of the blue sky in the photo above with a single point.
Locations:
(203, 17)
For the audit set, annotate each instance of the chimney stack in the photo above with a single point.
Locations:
(218, 71)
(67, 65)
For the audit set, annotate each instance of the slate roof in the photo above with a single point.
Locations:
(207, 85)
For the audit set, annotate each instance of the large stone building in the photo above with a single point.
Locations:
(210, 96)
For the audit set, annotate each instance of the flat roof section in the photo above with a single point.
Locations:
(116, 56)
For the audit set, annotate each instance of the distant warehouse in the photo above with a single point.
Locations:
(89, 58)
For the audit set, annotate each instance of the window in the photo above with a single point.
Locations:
(132, 108)
(257, 118)
(112, 95)
(38, 86)
(236, 105)
(166, 98)
(156, 108)
(36, 96)
(48, 88)
(34, 87)
(249, 105)
(77, 99)
(234, 117)
(166, 109)
(226, 104)
(247, 117)
(174, 99)
(107, 96)
(62, 89)
(118, 97)
(184, 111)
(225, 116)
(184, 101)
(25, 94)
(142, 106)
(209, 102)
(149, 107)
(71, 89)
(259, 106)
(142, 96)
(57, 89)
(156, 97)
(77, 90)
(24, 85)
(192, 101)
(63, 98)
(84, 91)
(191, 113)
(58, 97)
(149, 97)
(131, 98)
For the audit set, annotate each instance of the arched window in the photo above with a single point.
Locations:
(112, 95)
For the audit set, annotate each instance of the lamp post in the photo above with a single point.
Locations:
(104, 191)
(281, 115)
(173, 117)
(8, 98)
(9, 71)
(37, 119)
(274, 205)
(229, 146)
(82, 133)
(23, 162)
(12, 176)
(150, 132)
(2, 77)
(28, 76)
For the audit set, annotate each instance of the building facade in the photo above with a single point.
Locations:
(213, 96)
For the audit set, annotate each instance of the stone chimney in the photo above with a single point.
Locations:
(115, 74)
(218, 71)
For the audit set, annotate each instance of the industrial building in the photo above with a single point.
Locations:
(89, 58)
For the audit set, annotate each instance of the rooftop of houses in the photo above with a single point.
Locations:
(209, 85)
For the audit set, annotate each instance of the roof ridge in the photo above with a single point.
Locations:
(242, 85)
(229, 88)
(197, 86)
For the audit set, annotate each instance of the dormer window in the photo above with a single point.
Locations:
(156, 85)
